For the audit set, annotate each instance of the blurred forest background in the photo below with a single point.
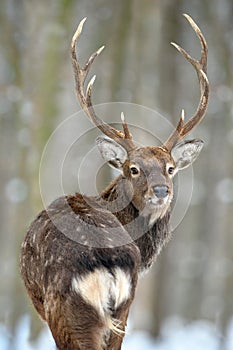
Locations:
(193, 278)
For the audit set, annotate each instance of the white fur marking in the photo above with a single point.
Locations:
(94, 288)
(122, 286)
(34, 238)
(100, 287)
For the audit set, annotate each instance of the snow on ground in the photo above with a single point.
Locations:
(176, 334)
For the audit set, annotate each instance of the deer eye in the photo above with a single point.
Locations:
(134, 170)
(170, 170)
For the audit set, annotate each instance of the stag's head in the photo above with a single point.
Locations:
(149, 170)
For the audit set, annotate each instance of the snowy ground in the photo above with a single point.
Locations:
(175, 335)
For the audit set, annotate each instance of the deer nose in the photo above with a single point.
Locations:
(161, 191)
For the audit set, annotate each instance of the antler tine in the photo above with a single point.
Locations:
(84, 96)
(200, 66)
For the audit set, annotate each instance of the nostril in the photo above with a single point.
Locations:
(161, 191)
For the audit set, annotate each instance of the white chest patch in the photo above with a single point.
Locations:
(102, 289)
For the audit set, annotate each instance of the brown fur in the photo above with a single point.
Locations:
(53, 253)
(81, 257)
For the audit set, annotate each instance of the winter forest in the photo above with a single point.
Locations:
(186, 300)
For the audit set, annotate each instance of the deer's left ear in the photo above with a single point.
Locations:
(184, 153)
(112, 152)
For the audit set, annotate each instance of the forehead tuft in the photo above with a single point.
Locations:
(147, 153)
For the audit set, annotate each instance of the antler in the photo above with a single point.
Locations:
(200, 66)
(84, 95)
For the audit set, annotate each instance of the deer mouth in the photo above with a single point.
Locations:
(157, 201)
(154, 204)
(157, 204)
(154, 201)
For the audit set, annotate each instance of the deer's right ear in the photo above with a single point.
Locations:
(112, 152)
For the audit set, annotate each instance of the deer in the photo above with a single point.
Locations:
(82, 255)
